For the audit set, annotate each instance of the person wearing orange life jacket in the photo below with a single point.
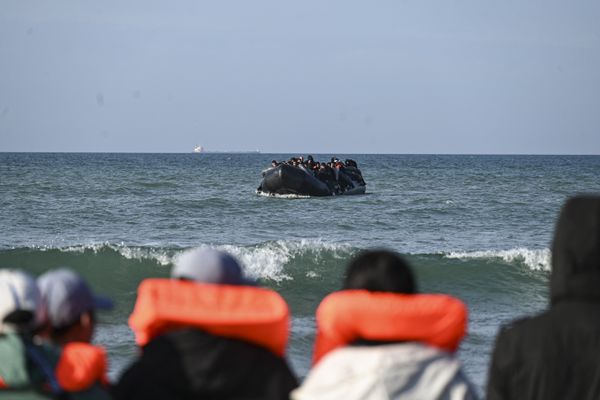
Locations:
(71, 306)
(206, 333)
(379, 339)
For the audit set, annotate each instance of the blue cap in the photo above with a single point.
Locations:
(67, 296)
(209, 266)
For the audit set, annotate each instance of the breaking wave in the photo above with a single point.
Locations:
(266, 260)
(534, 259)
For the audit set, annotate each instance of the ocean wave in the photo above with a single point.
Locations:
(275, 261)
(267, 260)
(534, 259)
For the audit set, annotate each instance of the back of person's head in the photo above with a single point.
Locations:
(380, 271)
(21, 306)
(207, 265)
(576, 250)
(71, 305)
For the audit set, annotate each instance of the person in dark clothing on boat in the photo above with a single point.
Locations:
(205, 334)
(327, 176)
(351, 169)
(343, 179)
(555, 355)
(315, 167)
(351, 163)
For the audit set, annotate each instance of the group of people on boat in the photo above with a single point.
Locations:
(339, 176)
(210, 332)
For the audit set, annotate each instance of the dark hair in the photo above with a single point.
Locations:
(19, 317)
(59, 331)
(380, 271)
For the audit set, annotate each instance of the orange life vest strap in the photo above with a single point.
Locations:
(248, 313)
(3, 384)
(349, 315)
(80, 366)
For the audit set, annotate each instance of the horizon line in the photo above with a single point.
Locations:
(300, 152)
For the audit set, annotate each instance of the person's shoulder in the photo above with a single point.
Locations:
(189, 361)
(363, 360)
(523, 334)
(343, 372)
(523, 325)
(11, 343)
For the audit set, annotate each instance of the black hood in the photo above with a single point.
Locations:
(576, 251)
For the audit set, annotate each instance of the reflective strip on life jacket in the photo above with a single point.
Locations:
(80, 366)
(248, 313)
(349, 315)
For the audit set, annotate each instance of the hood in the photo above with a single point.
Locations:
(576, 251)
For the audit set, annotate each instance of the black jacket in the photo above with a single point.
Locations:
(556, 355)
(192, 364)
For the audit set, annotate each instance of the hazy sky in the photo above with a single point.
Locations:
(335, 76)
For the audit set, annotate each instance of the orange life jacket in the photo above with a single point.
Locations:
(248, 313)
(349, 315)
(3, 385)
(80, 366)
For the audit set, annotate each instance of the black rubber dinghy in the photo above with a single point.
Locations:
(286, 179)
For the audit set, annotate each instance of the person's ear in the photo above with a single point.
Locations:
(86, 320)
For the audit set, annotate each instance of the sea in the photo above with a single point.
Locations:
(478, 227)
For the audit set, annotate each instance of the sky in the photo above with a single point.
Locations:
(311, 76)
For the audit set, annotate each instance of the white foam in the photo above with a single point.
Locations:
(282, 196)
(534, 259)
(268, 260)
(262, 261)
(145, 253)
(158, 255)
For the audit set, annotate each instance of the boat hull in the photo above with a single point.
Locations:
(289, 180)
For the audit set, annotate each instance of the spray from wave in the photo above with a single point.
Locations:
(534, 259)
(282, 196)
(158, 255)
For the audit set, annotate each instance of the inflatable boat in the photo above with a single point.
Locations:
(286, 179)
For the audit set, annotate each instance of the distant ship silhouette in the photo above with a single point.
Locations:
(200, 149)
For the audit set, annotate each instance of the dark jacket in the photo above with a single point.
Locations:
(192, 364)
(556, 355)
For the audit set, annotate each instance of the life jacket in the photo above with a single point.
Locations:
(80, 366)
(75, 367)
(253, 314)
(350, 315)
